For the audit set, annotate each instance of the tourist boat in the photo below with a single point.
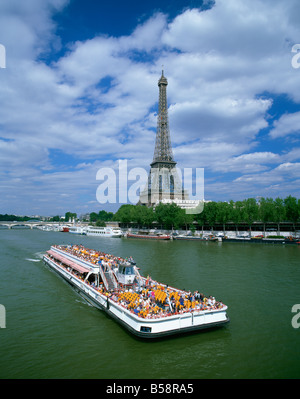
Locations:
(104, 231)
(77, 230)
(151, 236)
(145, 307)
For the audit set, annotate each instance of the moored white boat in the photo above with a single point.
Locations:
(77, 230)
(104, 231)
(145, 307)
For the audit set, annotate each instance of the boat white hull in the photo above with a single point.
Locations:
(104, 235)
(145, 328)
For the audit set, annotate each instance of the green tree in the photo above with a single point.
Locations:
(200, 218)
(210, 213)
(238, 213)
(279, 212)
(142, 215)
(105, 216)
(224, 213)
(146, 215)
(93, 217)
(100, 223)
(186, 219)
(125, 214)
(69, 216)
(168, 215)
(266, 211)
(291, 209)
(250, 211)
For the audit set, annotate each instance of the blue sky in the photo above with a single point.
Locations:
(79, 92)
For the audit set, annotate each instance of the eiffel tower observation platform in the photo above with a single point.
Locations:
(164, 182)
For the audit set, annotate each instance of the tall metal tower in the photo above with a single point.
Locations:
(163, 179)
(163, 149)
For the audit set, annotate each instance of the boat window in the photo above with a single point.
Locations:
(129, 270)
(122, 269)
(145, 329)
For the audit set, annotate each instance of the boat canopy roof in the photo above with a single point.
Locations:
(68, 262)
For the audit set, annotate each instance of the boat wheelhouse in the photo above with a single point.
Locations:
(143, 306)
(125, 273)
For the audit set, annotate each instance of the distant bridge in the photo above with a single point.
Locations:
(35, 224)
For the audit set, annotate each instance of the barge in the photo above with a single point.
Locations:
(263, 240)
(194, 238)
(157, 236)
(145, 307)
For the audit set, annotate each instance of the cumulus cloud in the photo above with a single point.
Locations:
(287, 124)
(282, 173)
(96, 101)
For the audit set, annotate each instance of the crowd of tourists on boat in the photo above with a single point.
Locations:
(153, 299)
(159, 301)
(90, 255)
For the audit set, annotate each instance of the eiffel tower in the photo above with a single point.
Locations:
(163, 180)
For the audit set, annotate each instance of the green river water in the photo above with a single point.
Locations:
(51, 332)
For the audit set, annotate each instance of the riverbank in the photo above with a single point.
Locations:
(215, 233)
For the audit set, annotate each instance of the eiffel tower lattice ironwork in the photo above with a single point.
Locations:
(163, 149)
(163, 179)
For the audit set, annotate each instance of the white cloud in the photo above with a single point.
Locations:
(249, 29)
(97, 100)
(277, 182)
(292, 155)
(288, 124)
(281, 173)
(248, 163)
(222, 119)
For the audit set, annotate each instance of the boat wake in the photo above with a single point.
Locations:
(83, 301)
(38, 257)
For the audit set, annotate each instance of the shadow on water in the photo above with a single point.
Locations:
(176, 337)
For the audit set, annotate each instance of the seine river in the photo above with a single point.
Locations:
(51, 332)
